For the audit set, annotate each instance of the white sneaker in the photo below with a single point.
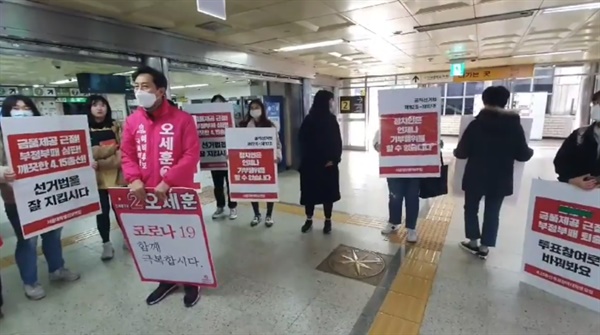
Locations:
(219, 213)
(34, 292)
(64, 274)
(108, 252)
(232, 214)
(390, 229)
(411, 236)
(255, 221)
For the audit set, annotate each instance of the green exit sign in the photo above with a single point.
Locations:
(457, 70)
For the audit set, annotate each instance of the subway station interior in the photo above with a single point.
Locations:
(278, 280)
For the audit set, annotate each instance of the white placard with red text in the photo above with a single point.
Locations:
(460, 164)
(252, 164)
(410, 132)
(212, 119)
(168, 240)
(561, 254)
(52, 158)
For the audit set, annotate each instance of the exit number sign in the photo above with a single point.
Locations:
(457, 70)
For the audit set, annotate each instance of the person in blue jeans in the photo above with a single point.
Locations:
(401, 191)
(26, 251)
(491, 144)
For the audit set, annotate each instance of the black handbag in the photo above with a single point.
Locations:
(434, 187)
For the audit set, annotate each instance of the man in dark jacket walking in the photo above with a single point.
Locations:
(577, 162)
(491, 143)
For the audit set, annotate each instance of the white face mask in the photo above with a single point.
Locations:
(20, 113)
(255, 113)
(145, 99)
(595, 113)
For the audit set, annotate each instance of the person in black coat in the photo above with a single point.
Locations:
(577, 162)
(321, 152)
(491, 143)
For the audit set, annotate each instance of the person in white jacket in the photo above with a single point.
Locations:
(257, 118)
(401, 191)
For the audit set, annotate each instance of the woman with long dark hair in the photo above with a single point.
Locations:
(321, 152)
(26, 250)
(257, 118)
(220, 180)
(105, 134)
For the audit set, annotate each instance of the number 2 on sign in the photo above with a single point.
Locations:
(345, 105)
(134, 202)
(187, 232)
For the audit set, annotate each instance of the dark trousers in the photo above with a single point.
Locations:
(309, 210)
(256, 208)
(220, 179)
(103, 219)
(491, 218)
(404, 191)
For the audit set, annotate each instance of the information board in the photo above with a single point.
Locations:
(410, 133)
(252, 164)
(167, 239)
(561, 254)
(52, 159)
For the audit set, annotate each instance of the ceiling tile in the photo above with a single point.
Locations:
(350, 34)
(326, 20)
(388, 11)
(390, 27)
(450, 34)
(296, 10)
(496, 7)
(567, 20)
(348, 5)
(458, 14)
(516, 27)
(255, 19)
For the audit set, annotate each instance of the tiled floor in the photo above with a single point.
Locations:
(269, 285)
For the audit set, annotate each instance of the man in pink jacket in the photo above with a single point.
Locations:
(160, 149)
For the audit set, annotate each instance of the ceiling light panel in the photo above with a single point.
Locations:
(314, 45)
(569, 8)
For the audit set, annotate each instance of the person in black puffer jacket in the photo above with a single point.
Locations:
(491, 143)
(577, 162)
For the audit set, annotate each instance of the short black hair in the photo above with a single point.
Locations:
(596, 97)
(218, 97)
(11, 101)
(496, 96)
(158, 78)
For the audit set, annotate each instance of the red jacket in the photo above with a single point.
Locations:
(160, 146)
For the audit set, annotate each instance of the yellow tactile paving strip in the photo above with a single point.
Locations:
(404, 306)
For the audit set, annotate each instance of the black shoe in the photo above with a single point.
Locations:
(192, 295)
(482, 254)
(466, 246)
(327, 227)
(307, 226)
(161, 292)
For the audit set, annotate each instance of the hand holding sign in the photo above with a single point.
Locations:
(9, 175)
(138, 190)
(161, 191)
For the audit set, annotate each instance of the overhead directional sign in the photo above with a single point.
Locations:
(495, 73)
(432, 78)
(352, 104)
(457, 69)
